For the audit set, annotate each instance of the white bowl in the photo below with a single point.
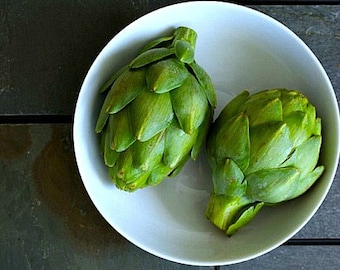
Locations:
(241, 49)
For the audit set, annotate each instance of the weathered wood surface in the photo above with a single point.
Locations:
(47, 220)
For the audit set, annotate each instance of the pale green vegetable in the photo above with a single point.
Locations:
(263, 149)
(156, 113)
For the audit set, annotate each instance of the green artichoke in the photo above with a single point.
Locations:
(263, 149)
(156, 113)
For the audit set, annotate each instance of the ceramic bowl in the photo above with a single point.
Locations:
(241, 49)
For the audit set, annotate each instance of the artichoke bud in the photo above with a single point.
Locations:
(156, 112)
(263, 149)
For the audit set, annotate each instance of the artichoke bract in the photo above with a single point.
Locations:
(156, 113)
(263, 149)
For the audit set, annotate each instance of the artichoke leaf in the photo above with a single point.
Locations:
(177, 144)
(232, 108)
(113, 78)
(303, 124)
(159, 42)
(184, 51)
(165, 75)
(293, 101)
(265, 95)
(102, 117)
(244, 218)
(317, 127)
(179, 166)
(113, 173)
(158, 173)
(272, 185)
(299, 127)
(125, 167)
(148, 153)
(138, 181)
(149, 114)
(150, 56)
(102, 140)
(311, 118)
(304, 183)
(110, 156)
(222, 209)
(203, 130)
(305, 157)
(270, 145)
(263, 111)
(125, 89)
(228, 179)
(117, 98)
(232, 141)
(185, 34)
(121, 134)
(206, 83)
(189, 104)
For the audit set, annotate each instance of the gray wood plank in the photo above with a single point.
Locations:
(47, 47)
(301, 257)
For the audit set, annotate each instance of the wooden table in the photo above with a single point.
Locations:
(47, 220)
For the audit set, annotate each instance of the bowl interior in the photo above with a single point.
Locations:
(240, 49)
